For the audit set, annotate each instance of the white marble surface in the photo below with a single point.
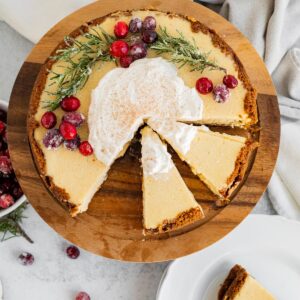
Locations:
(54, 276)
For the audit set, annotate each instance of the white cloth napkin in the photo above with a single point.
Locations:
(272, 26)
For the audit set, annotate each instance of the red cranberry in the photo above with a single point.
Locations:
(204, 85)
(52, 139)
(5, 166)
(74, 118)
(121, 29)
(135, 25)
(85, 148)
(48, 119)
(3, 115)
(221, 93)
(138, 51)
(6, 200)
(26, 259)
(149, 23)
(68, 131)
(126, 61)
(73, 252)
(149, 36)
(119, 48)
(230, 81)
(70, 103)
(82, 296)
(2, 127)
(17, 192)
(72, 144)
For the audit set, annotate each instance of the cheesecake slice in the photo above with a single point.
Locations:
(239, 285)
(218, 159)
(167, 202)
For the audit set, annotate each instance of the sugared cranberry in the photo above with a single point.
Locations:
(135, 39)
(138, 51)
(74, 118)
(26, 259)
(48, 120)
(70, 103)
(68, 131)
(204, 85)
(149, 36)
(121, 29)
(221, 93)
(53, 139)
(6, 184)
(135, 25)
(3, 115)
(5, 166)
(85, 148)
(149, 23)
(230, 81)
(72, 144)
(2, 127)
(126, 61)
(83, 296)
(6, 200)
(119, 48)
(16, 191)
(73, 252)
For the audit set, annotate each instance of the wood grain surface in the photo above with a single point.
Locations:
(112, 227)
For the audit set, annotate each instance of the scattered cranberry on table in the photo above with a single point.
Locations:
(119, 48)
(73, 252)
(48, 120)
(26, 259)
(121, 29)
(85, 148)
(204, 85)
(230, 81)
(221, 93)
(83, 296)
(70, 103)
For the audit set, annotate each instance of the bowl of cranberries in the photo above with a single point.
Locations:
(11, 195)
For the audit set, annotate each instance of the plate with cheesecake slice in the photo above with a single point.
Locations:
(259, 260)
(151, 133)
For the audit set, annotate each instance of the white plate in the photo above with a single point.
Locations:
(22, 199)
(267, 246)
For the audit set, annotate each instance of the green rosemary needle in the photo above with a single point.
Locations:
(183, 52)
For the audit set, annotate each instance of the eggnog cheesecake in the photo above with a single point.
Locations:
(114, 74)
(167, 202)
(218, 159)
(240, 285)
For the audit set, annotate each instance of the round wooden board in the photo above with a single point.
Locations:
(112, 227)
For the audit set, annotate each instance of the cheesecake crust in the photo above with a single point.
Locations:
(233, 283)
(60, 193)
(183, 219)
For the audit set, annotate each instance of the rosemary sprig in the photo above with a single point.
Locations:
(80, 57)
(10, 224)
(183, 52)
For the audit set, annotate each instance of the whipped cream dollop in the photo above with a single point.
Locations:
(155, 157)
(179, 135)
(125, 98)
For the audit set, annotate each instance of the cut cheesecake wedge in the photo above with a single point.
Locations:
(167, 202)
(218, 159)
(239, 285)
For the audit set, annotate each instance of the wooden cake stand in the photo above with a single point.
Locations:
(112, 227)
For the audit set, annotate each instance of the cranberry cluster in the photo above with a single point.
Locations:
(138, 35)
(221, 91)
(66, 133)
(10, 190)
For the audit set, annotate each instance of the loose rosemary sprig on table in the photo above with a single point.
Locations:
(80, 57)
(183, 52)
(10, 224)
